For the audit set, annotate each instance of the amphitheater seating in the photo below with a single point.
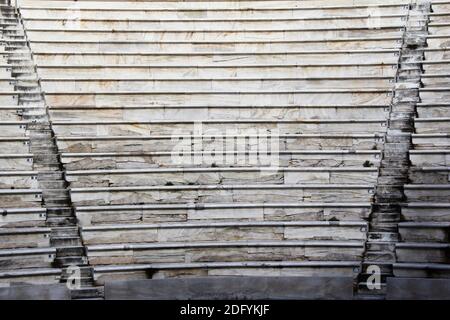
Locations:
(423, 250)
(121, 101)
(131, 84)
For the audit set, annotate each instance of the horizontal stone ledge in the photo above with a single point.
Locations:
(8, 211)
(210, 93)
(30, 273)
(291, 136)
(15, 155)
(7, 192)
(250, 264)
(218, 53)
(431, 135)
(9, 231)
(217, 66)
(18, 173)
(427, 225)
(226, 19)
(230, 79)
(426, 205)
(233, 121)
(442, 119)
(422, 245)
(404, 6)
(163, 154)
(422, 266)
(234, 169)
(441, 151)
(132, 107)
(399, 27)
(221, 187)
(202, 206)
(23, 252)
(226, 244)
(393, 38)
(430, 169)
(427, 186)
(437, 104)
(259, 224)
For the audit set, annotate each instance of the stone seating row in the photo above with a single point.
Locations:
(330, 43)
(244, 268)
(218, 127)
(201, 176)
(221, 212)
(191, 5)
(223, 23)
(236, 193)
(144, 159)
(270, 112)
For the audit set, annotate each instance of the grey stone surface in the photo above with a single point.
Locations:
(232, 288)
(36, 292)
(418, 289)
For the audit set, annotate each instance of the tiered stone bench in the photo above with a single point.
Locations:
(315, 74)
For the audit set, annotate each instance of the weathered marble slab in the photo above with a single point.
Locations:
(427, 213)
(19, 181)
(430, 193)
(432, 253)
(230, 25)
(431, 141)
(433, 111)
(213, 58)
(130, 129)
(230, 84)
(430, 158)
(19, 163)
(213, 14)
(35, 292)
(225, 113)
(23, 218)
(263, 5)
(12, 129)
(231, 233)
(209, 177)
(177, 194)
(332, 44)
(31, 260)
(430, 175)
(224, 254)
(24, 238)
(18, 199)
(232, 288)
(420, 232)
(418, 289)
(232, 70)
(128, 215)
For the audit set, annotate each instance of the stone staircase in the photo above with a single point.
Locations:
(65, 235)
(394, 168)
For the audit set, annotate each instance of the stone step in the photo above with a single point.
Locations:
(378, 246)
(63, 241)
(52, 184)
(383, 236)
(60, 211)
(70, 251)
(88, 293)
(85, 271)
(60, 220)
(70, 261)
(65, 231)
